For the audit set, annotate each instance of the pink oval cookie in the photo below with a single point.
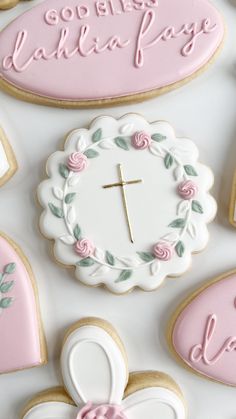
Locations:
(204, 333)
(22, 344)
(112, 50)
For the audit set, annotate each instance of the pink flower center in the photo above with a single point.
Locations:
(105, 411)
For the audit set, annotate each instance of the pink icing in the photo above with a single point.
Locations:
(141, 140)
(205, 332)
(199, 351)
(19, 330)
(163, 251)
(77, 162)
(101, 412)
(84, 248)
(156, 43)
(187, 189)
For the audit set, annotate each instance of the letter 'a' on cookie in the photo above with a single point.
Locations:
(232, 207)
(8, 4)
(22, 340)
(126, 203)
(8, 163)
(97, 383)
(202, 333)
(158, 44)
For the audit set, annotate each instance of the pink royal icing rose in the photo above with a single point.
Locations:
(77, 162)
(84, 248)
(141, 140)
(163, 251)
(101, 412)
(187, 189)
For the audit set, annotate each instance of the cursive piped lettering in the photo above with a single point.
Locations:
(199, 352)
(85, 47)
(194, 30)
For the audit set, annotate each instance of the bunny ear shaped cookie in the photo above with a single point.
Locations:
(21, 338)
(94, 370)
(8, 164)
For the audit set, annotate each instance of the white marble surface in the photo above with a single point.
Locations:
(205, 111)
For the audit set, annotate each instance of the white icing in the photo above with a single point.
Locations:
(154, 403)
(4, 164)
(52, 410)
(152, 204)
(93, 367)
(94, 370)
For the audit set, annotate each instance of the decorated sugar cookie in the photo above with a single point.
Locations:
(232, 208)
(203, 334)
(22, 342)
(97, 383)
(8, 164)
(7, 4)
(159, 44)
(126, 203)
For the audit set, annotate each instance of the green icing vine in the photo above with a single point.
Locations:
(169, 159)
(6, 286)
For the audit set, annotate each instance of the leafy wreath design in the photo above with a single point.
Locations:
(105, 259)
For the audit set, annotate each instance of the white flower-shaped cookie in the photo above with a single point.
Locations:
(94, 370)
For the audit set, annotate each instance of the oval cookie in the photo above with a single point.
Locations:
(22, 341)
(158, 44)
(126, 203)
(94, 371)
(204, 334)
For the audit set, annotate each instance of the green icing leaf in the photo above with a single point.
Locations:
(77, 232)
(124, 275)
(180, 249)
(110, 258)
(197, 207)
(5, 302)
(91, 154)
(178, 223)
(63, 170)
(146, 256)
(58, 212)
(69, 197)
(86, 262)
(190, 170)
(158, 137)
(10, 268)
(168, 160)
(6, 286)
(97, 135)
(122, 143)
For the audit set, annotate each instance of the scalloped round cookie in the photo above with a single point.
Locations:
(126, 203)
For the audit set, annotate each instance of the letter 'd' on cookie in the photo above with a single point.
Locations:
(22, 343)
(204, 332)
(157, 44)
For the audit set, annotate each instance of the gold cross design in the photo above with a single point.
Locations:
(123, 183)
